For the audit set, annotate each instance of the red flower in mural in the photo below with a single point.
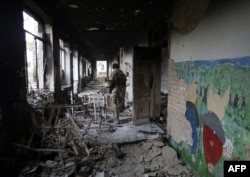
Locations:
(213, 146)
(213, 137)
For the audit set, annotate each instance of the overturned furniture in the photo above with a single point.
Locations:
(58, 129)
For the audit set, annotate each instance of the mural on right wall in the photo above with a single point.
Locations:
(219, 132)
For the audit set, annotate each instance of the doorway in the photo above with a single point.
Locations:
(101, 70)
(146, 84)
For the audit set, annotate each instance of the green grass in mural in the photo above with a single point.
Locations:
(239, 135)
(236, 123)
(199, 166)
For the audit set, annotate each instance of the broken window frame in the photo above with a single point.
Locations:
(38, 81)
(64, 63)
(81, 68)
(75, 71)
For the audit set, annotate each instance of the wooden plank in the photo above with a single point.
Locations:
(38, 149)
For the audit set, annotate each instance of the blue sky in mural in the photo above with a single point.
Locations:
(237, 62)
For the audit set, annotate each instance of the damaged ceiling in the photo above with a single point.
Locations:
(102, 27)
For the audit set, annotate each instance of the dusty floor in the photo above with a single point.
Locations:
(122, 150)
(150, 158)
(111, 150)
(142, 150)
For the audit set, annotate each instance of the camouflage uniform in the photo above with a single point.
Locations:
(118, 86)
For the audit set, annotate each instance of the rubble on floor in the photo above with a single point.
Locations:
(40, 98)
(127, 151)
(74, 144)
(122, 150)
(148, 158)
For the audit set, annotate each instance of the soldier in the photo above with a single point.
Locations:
(118, 88)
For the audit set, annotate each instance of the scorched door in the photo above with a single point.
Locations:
(146, 84)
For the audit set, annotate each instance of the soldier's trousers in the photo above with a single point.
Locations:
(118, 100)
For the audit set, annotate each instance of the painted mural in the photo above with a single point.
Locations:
(221, 133)
(192, 116)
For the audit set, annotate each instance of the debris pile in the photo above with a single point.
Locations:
(40, 98)
(58, 137)
(145, 159)
(74, 144)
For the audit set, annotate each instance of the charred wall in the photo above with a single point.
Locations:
(12, 77)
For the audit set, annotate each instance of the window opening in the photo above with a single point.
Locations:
(88, 68)
(62, 62)
(81, 74)
(65, 63)
(34, 53)
(75, 71)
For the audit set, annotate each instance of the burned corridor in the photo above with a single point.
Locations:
(186, 79)
(56, 112)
